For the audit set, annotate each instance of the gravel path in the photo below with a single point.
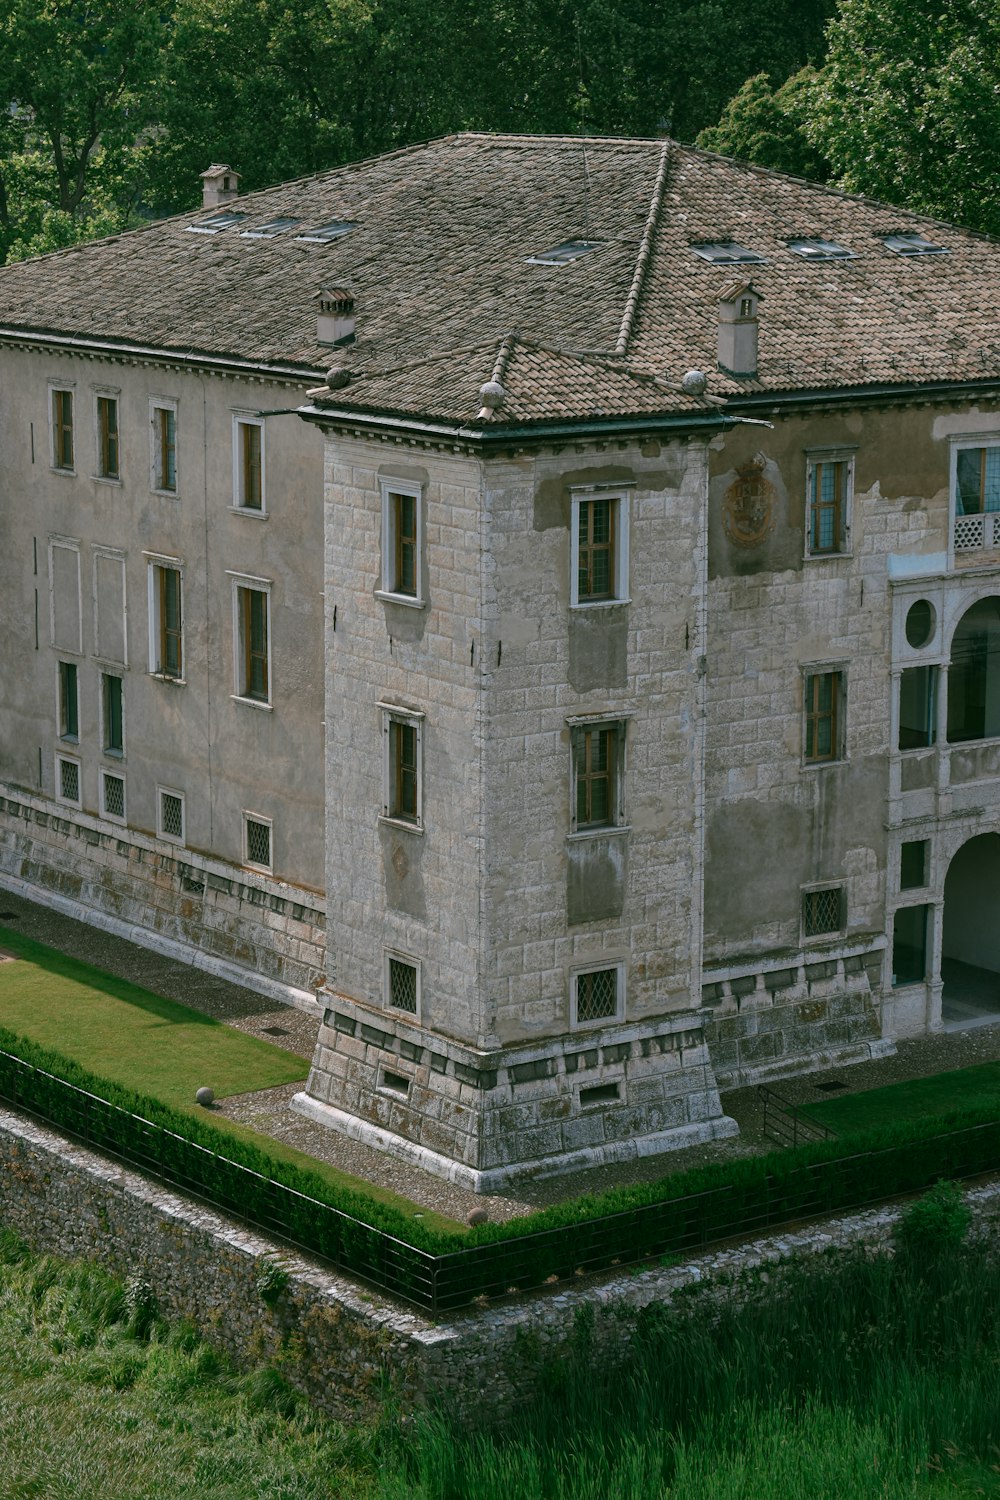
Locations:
(295, 1030)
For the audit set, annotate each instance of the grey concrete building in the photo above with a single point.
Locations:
(640, 527)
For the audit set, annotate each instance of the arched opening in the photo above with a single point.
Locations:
(970, 945)
(974, 675)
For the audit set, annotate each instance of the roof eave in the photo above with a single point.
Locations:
(497, 435)
(228, 364)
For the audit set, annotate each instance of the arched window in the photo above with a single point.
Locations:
(974, 675)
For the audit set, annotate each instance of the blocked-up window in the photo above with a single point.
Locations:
(822, 911)
(257, 841)
(596, 995)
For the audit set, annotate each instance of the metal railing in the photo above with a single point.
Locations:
(747, 1205)
(786, 1124)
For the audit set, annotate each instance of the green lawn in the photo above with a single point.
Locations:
(130, 1036)
(965, 1088)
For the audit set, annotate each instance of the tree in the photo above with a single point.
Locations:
(766, 125)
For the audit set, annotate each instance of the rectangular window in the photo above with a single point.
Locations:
(163, 421)
(69, 701)
(68, 780)
(166, 634)
(113, 797)
(909, 945)
(402, 541)
(257, 841)
(170, 815)
(403, 765)
(107, 437)
(823, 716)
(62, 429)
(111, 714)
(917, 707)
(599, 540)
(402, 984)
(597, 995)
(248, 457)
(828, 482)
(253, 673)
(913, 863)
(823, 911)
(977, 480)
(597, 774)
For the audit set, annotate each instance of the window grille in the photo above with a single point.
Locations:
(822, 911)
(171, 815)
(402, 986)
(114, 796)
(597, 995)
(69, 781)
(258, 843)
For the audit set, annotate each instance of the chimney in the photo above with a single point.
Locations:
(219, 185)
(738, 330)
(335, 324)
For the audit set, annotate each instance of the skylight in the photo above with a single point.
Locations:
(815, 249)
(911, 244)
(559, 255)
(326, 232)
(224, 220)
(271, 228)
(725, 252)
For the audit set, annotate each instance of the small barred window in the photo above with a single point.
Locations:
(597, 995)
(402, 986)
(114, 796)
(171, 815)
(69, 781)
(822, 911)
(258, 843)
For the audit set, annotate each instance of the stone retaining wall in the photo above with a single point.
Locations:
(340, 1344)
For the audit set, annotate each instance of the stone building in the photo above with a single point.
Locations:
(660, 604)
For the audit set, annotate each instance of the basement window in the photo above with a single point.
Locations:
(225, 220)
(725, 253)
(326, 232)
(911, 244)
(560, 255)
(271, 228)
(815, 249)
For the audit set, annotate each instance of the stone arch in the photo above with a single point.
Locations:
(970, 938)
(974, 674)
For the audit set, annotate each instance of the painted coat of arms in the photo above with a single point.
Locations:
(748, 507)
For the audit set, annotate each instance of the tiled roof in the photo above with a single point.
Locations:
(438, 264)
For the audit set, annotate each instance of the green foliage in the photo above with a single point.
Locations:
(766, 125)
(272, 1279)
(934, 1227)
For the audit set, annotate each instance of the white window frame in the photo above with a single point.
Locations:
(73, 760)
(991, 518)
(243, 419)
(395, 713)
(259, 586)
(598, 966)
(412, 963)
(68, 386)
(111, 817)
(106, 393)
(620, 496)
(153, 562)
(599, 721)
(387, 575)
(842, 455)
(67, 739)
(157, 404)
(268, 823)
(171, 838)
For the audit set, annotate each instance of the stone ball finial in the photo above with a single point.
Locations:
(337, 378)
(492, 395)
(694, 383)
(205, 1097)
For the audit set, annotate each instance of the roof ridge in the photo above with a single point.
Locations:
(645, 251)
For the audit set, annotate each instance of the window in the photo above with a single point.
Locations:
(273, 227)
(597, 774)
(166, 620)
(326, 232)
(913, 862)
(402, 983)
(170, 815)
(252, 608)
(560, 255)
(725, 252)
(218, 221)
(403, 735)
(829, 481)
(62, 429)
(107, 438)
(822, 911)
(67, 780)
(906, 243)
(257, 841)
(248, 464)
(976, 490)
(69, 701)
(599, 541)
(113, 797)
(163, 455)
(974, 674)
(909, 945)
(597, 995)
(402, 541)
(917, 707)
(818, 249)
(824, 692)
(111, 714)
